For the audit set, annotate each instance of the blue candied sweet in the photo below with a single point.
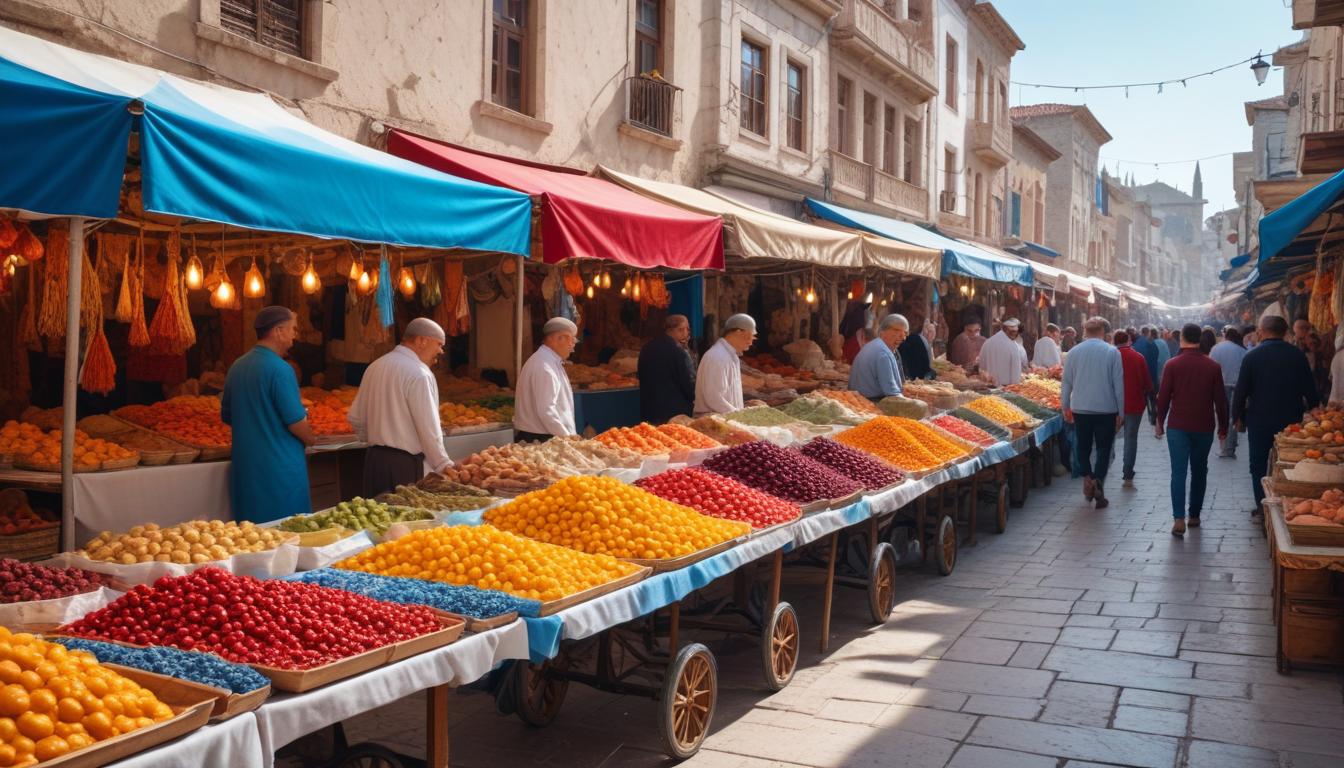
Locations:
(464, 600)
(197, 667)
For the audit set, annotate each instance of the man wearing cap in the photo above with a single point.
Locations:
(876, 373)
(718, 385)
(397, 411)
(666, 373)
(544, 403)
(1002, 357)
(268, 476)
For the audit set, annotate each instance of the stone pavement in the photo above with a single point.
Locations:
(1078, 638)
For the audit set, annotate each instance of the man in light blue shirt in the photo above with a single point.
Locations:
(876, 373)
(1092, 394)
(1229, 353)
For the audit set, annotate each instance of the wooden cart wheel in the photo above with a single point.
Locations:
(538, 692)
(1001, 509)
(368, 756)
(779, 647)
(945, 547)
(882, 582)
(686, 702)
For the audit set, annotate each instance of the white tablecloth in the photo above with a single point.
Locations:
(461, 446)
(234, 742)
(114, 501)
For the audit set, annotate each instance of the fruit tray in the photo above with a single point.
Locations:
(178, 454)
(812, 508)
(845, 501)
(662, 565)
(453, 626)
(176, 692)
(560, 604)
(492, 622)
(31, 545)
(191, 707)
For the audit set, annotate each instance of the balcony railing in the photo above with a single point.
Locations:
(651, 103)
(861, 180)
(866, 31)
(992, 142)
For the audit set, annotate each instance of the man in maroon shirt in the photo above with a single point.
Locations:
(1137, 386)
(1191, 396)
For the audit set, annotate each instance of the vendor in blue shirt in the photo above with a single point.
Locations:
(876, 372)
(268, 477)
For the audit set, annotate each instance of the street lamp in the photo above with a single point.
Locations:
(1261, 69)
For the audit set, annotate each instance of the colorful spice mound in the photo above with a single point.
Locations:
(463, 600)
(56, 701)
(198, 541)
(852, 400)
(484, 556)
(988, 425)
(998, 410)
(649, 440)
(687, 436)
(204, 668)
(24, 582)
(602, 515)
(1039, 391)
(884, 438)
(281, 624)
(780, 472)
(761, 416)
(873, 473)
(720, 496)
(928, 437)
(965, 430)
(817, 409)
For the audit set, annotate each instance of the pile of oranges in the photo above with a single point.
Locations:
(465, 415)
(327, 410)
(935, 442)
(33, 446)
(55, 701)
(998, 410)
(885, 438)
(191, 419)
(649, 440)
(485, 557)
(602, 515)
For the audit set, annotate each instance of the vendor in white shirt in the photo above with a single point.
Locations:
(397, 411)
(1002, 358)
(1046, 354)
(544, 403)
(718, 382)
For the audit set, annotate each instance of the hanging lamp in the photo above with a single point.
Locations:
(195, 275)
(310, 281)
(254, 285)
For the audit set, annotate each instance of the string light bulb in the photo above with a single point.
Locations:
(606, 279)
(254, 286)
(195, 276)
(625, 289)
(635, 292)
(406, 283)
(589, 293)
(811, 297)
(224, 295)
(597, 281)
(365, 283)
(310, 281)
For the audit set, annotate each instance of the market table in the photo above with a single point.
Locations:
(235, 741)
(1308, 611)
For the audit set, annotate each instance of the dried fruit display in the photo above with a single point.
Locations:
(717, 429)
(268, 622)
(851, 462)
(1038, 392)
(817, 409)
(190, 419)
(57, 702)
(573, 455)
(328, 411)
(720, 496)
(602, 515)
(935, 443)
(781, 472)
(458, 415)
(43, 449)
(198, 541)
(436, 483)
(649, 440)
(24, 582)
(908, 407)
(503, 469)
(761, 416)
(964, 430)
(988, 425)
(883, 437)
(357, 514)
(999, 411)
(485, 557)
(413, 496)
(852, 400)
(688, 437)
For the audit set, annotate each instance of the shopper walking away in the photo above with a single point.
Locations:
(1228, 354)
(1144, 345)
(1191, 400)
(1172, 341)
(1207, 339)
(1093, 396)
(1137, 388)
(1274, 389)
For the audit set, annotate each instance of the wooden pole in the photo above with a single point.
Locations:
(436, 727)
(518, 322)
(73, 293)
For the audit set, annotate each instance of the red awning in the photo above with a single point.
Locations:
(583, 216)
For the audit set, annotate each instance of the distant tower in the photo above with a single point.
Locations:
(1197, 189)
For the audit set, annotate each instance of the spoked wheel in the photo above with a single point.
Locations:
(686, 703)
(779, 647)
(538, 692)
(945, 546)
(882, 582)
(1001, 509)
(368, 756)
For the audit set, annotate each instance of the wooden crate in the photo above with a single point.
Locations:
(1313, 631)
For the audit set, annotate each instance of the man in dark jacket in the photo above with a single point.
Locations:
(1274, 388)
(916, 352)
(666, 374)
(1191, 404)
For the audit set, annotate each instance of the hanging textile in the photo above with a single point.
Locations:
(453, 313)
(383, 293)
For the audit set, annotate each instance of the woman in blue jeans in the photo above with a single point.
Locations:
(1189, 402)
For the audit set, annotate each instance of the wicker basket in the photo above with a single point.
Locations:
(32, 545)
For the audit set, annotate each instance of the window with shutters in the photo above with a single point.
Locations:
(844, 116)
(869, 128)
(910, 170)
(889, 139)
(275, 24)
(649, 37)
(796, 83)
(509, 55)
(754, 86)
(1015, 223)
(950, 70)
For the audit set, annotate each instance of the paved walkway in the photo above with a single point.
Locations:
(1080, 637)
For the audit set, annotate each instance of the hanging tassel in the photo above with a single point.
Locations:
(383, 293)
(139, 336)
(28, 321)
(125, 307)
(99, 374)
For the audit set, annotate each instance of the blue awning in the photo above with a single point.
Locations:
(959, 258)
(1296, 223)
(217, 154)
(1041, 249)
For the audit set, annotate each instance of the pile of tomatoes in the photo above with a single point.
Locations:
(281, 624)
(719, 496)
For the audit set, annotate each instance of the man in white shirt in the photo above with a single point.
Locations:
(544, 402)
(397, 411)
(718, 382)
(1002, 358)
(1046, 354)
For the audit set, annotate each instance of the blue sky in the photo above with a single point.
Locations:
(1096, 42)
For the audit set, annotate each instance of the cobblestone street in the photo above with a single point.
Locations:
(1079, 637)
